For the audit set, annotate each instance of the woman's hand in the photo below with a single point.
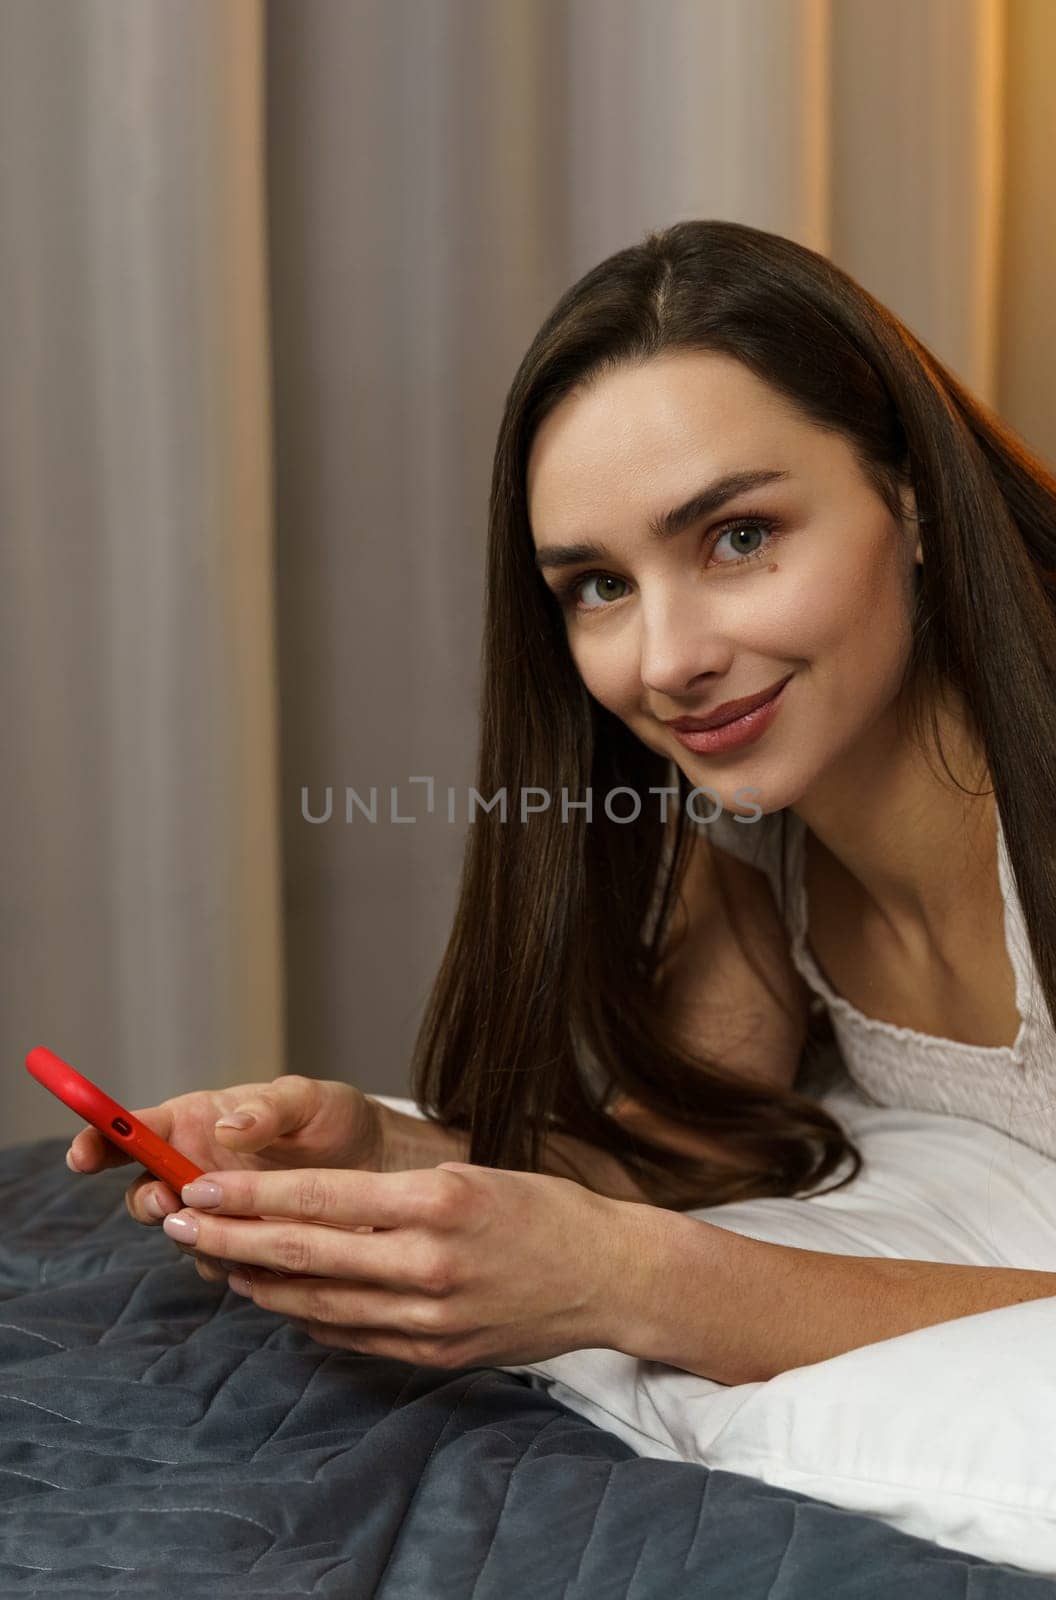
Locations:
(298, 1122)
(465, 1265)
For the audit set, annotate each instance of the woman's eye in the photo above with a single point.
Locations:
(604, 582)
(736, 531)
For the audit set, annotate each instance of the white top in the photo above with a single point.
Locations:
(1010, 1087)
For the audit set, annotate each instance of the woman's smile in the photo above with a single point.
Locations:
(742, 730)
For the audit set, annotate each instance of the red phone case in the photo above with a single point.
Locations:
(113, 1121)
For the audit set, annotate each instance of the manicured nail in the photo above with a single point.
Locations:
(70, 1162)
(239, 1283)
(155, 1206)
(236, 1119)
(201, 1193)
(182, 1228)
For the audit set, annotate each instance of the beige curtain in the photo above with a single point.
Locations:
(245, 446)
(142, 934)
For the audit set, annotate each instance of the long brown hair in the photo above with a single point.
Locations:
(545, 1003)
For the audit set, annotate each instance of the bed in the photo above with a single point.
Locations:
(162, 1437)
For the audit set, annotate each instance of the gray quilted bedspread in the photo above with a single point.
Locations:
(161, 1437)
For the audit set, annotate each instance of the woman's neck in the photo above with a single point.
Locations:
(916, 844)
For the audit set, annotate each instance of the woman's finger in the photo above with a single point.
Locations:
(211, 1271)
(395, 1259)
(333, 1304)
(433, 1196)
(90, 1152)
(148, 1200)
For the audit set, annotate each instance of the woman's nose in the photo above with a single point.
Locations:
(680, 647)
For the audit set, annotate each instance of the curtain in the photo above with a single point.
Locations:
(142, 929)
(265, 274)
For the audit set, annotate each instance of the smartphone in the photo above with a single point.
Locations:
(113, 1121)
(116, 1123)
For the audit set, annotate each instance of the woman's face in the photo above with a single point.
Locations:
(805, 574)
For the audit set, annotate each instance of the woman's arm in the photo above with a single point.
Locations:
(709, 998)
(741, 1310)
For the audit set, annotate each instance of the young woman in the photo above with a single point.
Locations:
(725, 470)
(724, 473)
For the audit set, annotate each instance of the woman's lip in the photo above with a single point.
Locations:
(745, 729)
(704, 724)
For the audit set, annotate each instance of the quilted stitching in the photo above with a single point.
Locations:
(162, 1438)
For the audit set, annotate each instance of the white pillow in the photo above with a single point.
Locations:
(944, 1432)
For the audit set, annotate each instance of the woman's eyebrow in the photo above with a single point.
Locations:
(668, 523)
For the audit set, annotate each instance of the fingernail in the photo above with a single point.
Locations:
(182, 1228)
(236, 1119)
(70, 1162)
(239, 1283)
(153, 1205)
(201, 1193)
